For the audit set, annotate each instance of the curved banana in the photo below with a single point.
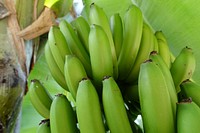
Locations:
(133, 23)
(44, 126)
(62, 117)
(163, 47)
(83, 29)
(156, 109)
(116, 27)
(40, 98)
(97, 16)
(114, 108)
(75, 45)
(100, 55)
(146, 46)
(88, 108)
(183, 66)
(58, 46)
(191, 89)
(54, 69)
(158, 60)
(74, 72)
(188, 116)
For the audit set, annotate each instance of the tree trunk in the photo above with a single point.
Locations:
(12, 68)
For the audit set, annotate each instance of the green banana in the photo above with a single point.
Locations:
(62, 117)
(58, 46)
(160, 36)
(75, 45)
(88, 108)
(158, 60)
(116, 27)
(183, 66)
(163, 47)
(188, 116)
(156, 109)
(97, 16)
(40, 98)
(114, 108)
(74, 72)
(155, 44)
(146, 46)
(133, 23)
(191, 89)
(44, 126)
(100, 54)
(83, 29)
(54, 69)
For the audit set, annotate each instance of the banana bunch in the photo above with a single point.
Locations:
(116, 69)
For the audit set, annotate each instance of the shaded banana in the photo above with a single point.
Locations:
(62, 116)
(98, 16)
(183, 66)
(191, 89)
(75, 45)
(40, 98)
(163, 47)
(100, 54)
(44, 126)
(133, 23)
(114, 107)
(74, 72)
(83, 29)
(188, 116)
(157, 114)
(58, 46)
(88, 108)
(158, 60)
(54, 69)
(146, 46)
(116, 27)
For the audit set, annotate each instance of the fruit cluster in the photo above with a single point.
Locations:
(116, 69)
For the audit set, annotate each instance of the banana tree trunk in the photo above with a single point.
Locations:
(12, 68)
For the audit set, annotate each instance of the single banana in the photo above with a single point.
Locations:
(75, 45)
(146, 46)
(114, 108)
(116, 27)
(98, 16)
(83, 29)
(183, 67)
(58, 46)
(54, 69)
(74, 72)
(88, 108)
(40, 98)
(100, 55)
(156, 109)
(158, 60)
(188, 116)
(62, 117)
(163, 47)
(44, 126)
(155, 44)
(191, 89)
(133, 23)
